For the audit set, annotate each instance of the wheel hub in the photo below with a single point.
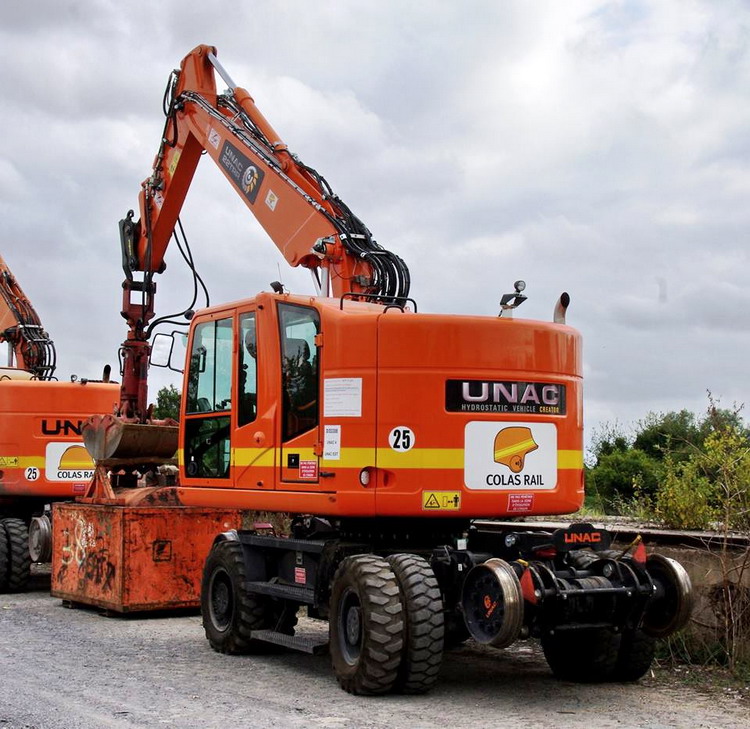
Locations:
(353, 625)
(350, 627)
(222, 602)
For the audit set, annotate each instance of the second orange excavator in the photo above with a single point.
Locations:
(42, 458)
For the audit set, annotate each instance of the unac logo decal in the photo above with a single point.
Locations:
(512, 445)
(250, 179)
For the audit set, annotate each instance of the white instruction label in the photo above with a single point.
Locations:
(342, 397)
(331, 442)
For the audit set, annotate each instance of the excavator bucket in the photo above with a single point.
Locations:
(109, 438)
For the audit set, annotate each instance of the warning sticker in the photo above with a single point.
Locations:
(9, 461)
(308, 469)
(441, 500)
(213, 138)
(271, 200)
(300, 575)
(520, 502)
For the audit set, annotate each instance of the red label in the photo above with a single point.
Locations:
(308, 469)
(520, 502)
(300, 575)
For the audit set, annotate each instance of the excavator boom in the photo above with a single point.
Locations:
(309, 224)
(30, 347)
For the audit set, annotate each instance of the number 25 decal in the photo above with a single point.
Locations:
(32, 474)
(401, 439)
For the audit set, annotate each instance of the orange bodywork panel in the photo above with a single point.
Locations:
(101, 554)
(417, 415)
(41, 449)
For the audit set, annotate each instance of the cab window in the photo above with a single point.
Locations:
(248, 370)
(210, 377)
(299, 368)
(209, 401)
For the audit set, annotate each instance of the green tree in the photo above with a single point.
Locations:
(167, 403)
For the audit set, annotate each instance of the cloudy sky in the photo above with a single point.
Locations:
(602, 148)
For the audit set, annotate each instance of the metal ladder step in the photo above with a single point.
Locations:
(294, 593)
(311, 644)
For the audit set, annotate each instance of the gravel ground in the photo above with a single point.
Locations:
(71, 669)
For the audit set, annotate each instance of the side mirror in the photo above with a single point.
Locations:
(168, 350)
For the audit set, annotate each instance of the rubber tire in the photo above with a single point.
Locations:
(585, 656)
(636, 655)
(370, 582)
(424, 624)
(4, 559)
(19, 560)
(247, 611)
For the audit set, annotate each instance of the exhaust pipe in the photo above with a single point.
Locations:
(561, 307)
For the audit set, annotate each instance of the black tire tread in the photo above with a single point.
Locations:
(252, 612)
(636, 655)
(19, 560)
(4, 560)
(424, 624)
(383, 626)
(585, 656)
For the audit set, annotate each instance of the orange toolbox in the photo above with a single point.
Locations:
(128, 559)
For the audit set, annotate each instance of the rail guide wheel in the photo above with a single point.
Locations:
(672, 603)
(40, 539)
(492, 603)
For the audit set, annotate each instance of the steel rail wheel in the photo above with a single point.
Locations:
(40, 539)
(493, 603)
(673, 602)
(424, 626)
(230, 612)
(366, 625)
(19, 562)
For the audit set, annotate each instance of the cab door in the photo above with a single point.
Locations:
(299, 327)
(208, 402)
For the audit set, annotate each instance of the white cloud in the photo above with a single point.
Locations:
(598, 147)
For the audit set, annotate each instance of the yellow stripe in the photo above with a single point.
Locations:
(32, 462)
(254, 457)
(416, 458)
(422, 458)
(570, 459)
(522, 447)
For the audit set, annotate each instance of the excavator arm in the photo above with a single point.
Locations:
(30, 347)
(309, 224)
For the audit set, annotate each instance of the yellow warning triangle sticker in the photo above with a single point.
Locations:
(432, 502)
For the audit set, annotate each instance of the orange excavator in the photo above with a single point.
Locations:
(42, 458)
(388, 434)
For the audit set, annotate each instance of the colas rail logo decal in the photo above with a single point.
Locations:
(512, 445)
(510, 455)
